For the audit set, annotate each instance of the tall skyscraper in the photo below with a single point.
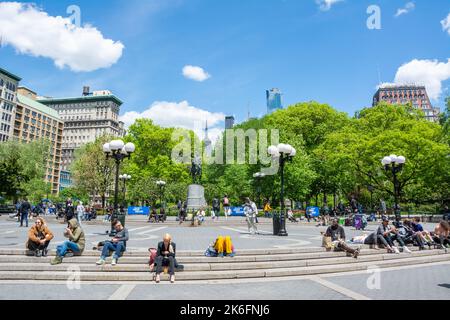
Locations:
(207, 142)
(416, 95)
(8, 102)
(229, 122)
(273, 97)
(35, 121)
(85, 119)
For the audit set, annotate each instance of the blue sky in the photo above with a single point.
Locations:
(247, 46)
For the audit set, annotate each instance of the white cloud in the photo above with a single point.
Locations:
(446, 24)
(406, 9)
(326, 5)
(195, 73)
(180, 115)
(430, 73)
(33, 32)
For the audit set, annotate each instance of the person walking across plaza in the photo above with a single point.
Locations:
(118, 244)
(25, 209)
(215, 208)
(166, 257)
(80, 212)
(267, 209)
(251, 211)
(39, 237)
(226, 206)
(76, 241)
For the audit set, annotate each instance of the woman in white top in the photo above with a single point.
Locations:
(80, 212)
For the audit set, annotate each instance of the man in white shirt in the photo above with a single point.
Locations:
(80, 212)
(251, 211)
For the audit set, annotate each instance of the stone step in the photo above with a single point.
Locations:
(142, 267)
(186, 253)
(134, 259)
(223, 274)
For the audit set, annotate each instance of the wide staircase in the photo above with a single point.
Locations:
(269, 263)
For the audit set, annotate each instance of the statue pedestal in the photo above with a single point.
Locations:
(196, 197)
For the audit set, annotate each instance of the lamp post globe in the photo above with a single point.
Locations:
(395, 164)
(117, 150)
(284, 153)
(161, 184)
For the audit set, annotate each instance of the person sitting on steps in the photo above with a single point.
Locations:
(75, 244)
(118, 244)
(390, 234)
(441, 235)
(166, 257)
(334, 237)
(39, 237)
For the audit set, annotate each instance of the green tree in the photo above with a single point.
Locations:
(92, 171)
(21, 166)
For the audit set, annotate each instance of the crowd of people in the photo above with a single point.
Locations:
(393, 236)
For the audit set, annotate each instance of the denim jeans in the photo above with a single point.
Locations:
(118, 248)
(61, 249)
(80, 217)
(22, 217)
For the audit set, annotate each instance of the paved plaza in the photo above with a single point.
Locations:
(398, 283)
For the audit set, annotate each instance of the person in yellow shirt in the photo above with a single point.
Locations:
(267, 209)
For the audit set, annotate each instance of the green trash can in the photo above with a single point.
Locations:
(342, 221)
(276, 224)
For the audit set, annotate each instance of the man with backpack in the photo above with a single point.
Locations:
(251, 212)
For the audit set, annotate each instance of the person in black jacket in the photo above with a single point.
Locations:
(166, 257)
(70, 210)
(24, 210)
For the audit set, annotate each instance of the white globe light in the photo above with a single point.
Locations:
(282, 148)
(116, 145)
(293, 152)
(129, 177)
(121, 177)
(130, 147)
(289, 149)
(106, 148)
(273, 150)
(393, 158)
(401, 160)
(386, 161)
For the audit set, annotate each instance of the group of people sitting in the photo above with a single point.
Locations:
(39, 237)
(394, 238)
(154, 217)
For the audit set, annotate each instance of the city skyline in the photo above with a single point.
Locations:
(180, 62)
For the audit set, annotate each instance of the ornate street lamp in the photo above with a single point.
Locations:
(395, 165)
(284, 152)
(117, 150)
(124, 178)
(161, 184)
(258, 177)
